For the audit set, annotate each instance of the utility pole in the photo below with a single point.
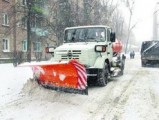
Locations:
(14, 27)
(155, 22)
(127, 41)
(29, 5)
(14, 33)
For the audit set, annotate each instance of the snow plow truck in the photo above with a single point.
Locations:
(89, 54)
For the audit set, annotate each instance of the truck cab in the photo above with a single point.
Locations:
(149, 52)
(85, 44)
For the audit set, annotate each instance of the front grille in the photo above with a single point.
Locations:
(72, 54)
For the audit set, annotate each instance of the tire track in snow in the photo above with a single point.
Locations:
(108, 103)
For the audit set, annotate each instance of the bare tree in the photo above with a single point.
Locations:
(130, 6)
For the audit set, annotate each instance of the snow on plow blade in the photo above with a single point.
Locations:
(68, 77)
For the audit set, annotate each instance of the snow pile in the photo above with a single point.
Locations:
(34, 90)
(30, 87)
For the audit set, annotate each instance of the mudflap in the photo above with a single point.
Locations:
(117, 71)
(68, 77)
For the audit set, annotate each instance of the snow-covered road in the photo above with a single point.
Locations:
(133, 96)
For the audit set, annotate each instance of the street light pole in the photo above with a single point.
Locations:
(155, 22)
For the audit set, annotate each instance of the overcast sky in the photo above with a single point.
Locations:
(143, 15)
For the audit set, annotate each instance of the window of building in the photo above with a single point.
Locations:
(24, 2)
(36, 23)
(37, 46)
(5, 45)
(24, 45)
(5, 19)
(6, 0)
(24, 22)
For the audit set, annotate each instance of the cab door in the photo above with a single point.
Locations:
(109, 44)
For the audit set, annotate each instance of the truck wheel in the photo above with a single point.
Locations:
(102, 79)
(122, 68)
(143, 64)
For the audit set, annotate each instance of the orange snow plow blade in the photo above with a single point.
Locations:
(69, 77)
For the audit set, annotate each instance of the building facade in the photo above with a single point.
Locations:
(13, 31)
(6, 31)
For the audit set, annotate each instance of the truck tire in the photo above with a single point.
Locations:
(143, 64)
(102, 79)
(122, 68)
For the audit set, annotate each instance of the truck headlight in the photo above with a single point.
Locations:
(100, 48)
(49, 49)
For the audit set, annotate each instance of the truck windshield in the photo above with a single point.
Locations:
(85, 35)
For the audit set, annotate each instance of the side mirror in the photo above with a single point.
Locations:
(100, 48)
(112, 37)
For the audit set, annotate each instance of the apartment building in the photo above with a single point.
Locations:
(13, 31)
